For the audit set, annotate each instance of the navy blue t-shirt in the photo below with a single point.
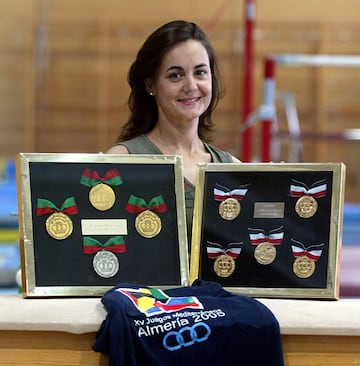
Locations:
(201, 325)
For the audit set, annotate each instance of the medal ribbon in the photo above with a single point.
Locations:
(299, 250)
(222, 193)
(275, 237)
(137, 204)
(318, 189)
(115, 244)
(91, 178)
(214, 250)
(45, 206)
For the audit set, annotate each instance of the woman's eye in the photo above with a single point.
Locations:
(175, 76)
(201, 72)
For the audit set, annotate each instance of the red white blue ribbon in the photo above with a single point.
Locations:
(258, 236)
(222, 193)
(214, 250)
(317, 189)
(313, 252)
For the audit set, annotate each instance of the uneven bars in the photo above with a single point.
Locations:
(316, 60)
(294, 60)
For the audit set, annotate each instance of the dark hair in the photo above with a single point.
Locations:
(143, 108)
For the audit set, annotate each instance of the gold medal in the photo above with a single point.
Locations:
(306, 206)
(59, 226)
(265, 253)
(224, 266)
(102, 197)
(304, 267)
(148, 224)
(229, 209)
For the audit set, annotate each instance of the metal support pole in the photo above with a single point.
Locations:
(269, 110)
(248, 80)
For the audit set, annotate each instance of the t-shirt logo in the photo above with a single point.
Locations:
(151, 301)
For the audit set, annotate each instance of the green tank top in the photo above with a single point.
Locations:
(143, 145)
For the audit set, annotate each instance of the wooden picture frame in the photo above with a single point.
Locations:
(90, 221)
(269, 229)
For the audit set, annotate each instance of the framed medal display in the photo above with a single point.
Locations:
(268, 229)
(90, 221)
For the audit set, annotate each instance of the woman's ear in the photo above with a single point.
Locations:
(148, 86)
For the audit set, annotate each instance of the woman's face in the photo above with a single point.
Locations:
(182, 86)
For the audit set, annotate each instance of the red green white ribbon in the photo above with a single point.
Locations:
(137, 204)
(91, 178)
(317, 189)
(258, 236)
(45, 206)
(312, 252)
(214, 250)
(115, 244)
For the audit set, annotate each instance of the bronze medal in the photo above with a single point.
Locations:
(229, 209)
(265, 253)
(303, 267)
(106, 264)
(59, 226)
(306, 206)
(102, 197)
(224, 265)
(148, 224)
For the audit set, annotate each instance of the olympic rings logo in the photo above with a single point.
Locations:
(186, 336)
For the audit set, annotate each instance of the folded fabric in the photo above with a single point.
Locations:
(202, 324)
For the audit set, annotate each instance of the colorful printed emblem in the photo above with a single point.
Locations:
(151, 301)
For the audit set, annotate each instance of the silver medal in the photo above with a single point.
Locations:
(105, 264)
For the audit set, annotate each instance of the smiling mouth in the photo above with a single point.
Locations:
(189, 100)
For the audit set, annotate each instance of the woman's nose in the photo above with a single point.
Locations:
(190, 84)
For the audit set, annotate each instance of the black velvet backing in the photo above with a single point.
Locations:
(266, 187)
(152, 261)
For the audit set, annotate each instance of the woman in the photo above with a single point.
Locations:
(174, 90)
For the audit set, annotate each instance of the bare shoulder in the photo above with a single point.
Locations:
(117, 149)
